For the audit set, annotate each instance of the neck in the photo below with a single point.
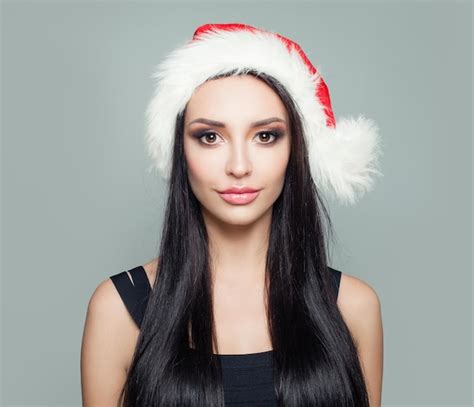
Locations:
(238, 252)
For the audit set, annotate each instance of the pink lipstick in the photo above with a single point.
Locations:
(239, 195)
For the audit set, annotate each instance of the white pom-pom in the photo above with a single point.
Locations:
(345, 160)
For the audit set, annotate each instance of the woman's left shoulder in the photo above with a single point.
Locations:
(355, 292)
(359, 304)
(360, 307)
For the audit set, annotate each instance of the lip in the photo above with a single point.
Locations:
(238, 190)
(243, 198)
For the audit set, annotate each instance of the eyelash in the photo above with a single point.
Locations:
(275, 133)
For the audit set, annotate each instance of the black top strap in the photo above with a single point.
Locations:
(336, 275)
(134, 295)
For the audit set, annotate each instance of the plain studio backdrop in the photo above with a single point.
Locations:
(79, 205)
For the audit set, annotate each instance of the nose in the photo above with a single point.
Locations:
(238, 162)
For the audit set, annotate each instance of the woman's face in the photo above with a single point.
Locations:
(233, 151)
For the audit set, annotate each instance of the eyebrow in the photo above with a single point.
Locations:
(222, 125)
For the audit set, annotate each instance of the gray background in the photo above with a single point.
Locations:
(78, 202)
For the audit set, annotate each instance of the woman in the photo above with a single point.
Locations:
(240, 306)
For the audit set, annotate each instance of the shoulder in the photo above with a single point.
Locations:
(122, 294)
(108, 318)
(105, 305)
(359, 304)
(356, 292)
(104, 359)
(361, 310)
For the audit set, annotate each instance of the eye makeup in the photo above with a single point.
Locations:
(276, 133)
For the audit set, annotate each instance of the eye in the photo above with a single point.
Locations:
(263, 135)
(276, 135)
(201, 136)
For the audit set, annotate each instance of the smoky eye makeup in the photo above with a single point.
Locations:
(276, 133)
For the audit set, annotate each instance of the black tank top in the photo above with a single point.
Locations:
(247, 378)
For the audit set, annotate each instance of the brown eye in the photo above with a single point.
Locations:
(210, 136)
(266, 135)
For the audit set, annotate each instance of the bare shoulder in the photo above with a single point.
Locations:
(360, 307)
(359, 303)
(108, 342)
(107, 308)
(107, 315)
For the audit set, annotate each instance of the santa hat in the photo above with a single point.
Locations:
(343, 154)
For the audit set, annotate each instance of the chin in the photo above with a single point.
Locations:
(235, 215)
(244, 215)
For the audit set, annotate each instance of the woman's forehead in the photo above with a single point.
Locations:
(235, 99)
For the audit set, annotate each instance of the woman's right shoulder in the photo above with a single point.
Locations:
(107, 303)
(108, 318)
(109, 339)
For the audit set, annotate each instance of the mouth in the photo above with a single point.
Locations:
(243, 198)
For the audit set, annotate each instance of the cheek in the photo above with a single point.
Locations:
(194, 161)
(275, 172)
(276, 178)
(196, 167)
(274, 165)
(202, 170)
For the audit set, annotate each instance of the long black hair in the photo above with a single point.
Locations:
(316, 360)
